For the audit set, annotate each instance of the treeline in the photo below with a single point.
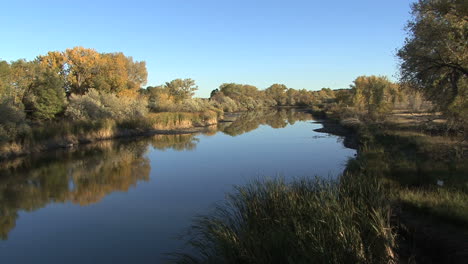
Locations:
(80, 94)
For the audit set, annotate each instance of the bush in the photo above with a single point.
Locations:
(224, 102)
(12, 120)
(98, 105)
(192, 105)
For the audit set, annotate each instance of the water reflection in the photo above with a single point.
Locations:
(275, 118)
(81, 177)
(87, 174)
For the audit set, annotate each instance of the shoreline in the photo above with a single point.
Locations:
(80, 140)
(420, 235)
(51, 145)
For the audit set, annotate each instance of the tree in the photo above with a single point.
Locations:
(214, 93)
(23, 74)
(83, 68)
(48, 96)
(83, 64)
(181, 89)
(374, 94)
(277, 92)
(4, 78)
(434, 58)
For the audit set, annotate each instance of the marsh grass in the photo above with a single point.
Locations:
(429, 173)
(447, 204)
(304, 221)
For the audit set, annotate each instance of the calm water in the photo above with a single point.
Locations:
(128, 201)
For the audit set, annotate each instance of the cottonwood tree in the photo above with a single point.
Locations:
(434, 58)
(83, 69)
(374, 94)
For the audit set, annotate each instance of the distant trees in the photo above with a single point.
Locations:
(239, 91)
(166, 97)
(434, 59)
(40, 86)
(277, 92)
(181, 89)
(373, 94)
(249, 97)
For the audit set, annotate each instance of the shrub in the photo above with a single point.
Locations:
(98, 105)
(12, 120)
(224, 102)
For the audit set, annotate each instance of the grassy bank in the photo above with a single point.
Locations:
(402, 199)
(423, 161)
(304, 221)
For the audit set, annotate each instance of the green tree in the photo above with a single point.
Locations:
(48, 96)
(181, 89)
(4, 77)
(434, 59)
(214, 93)
(374, 94)
(277, 92)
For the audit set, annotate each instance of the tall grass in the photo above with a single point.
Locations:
(305, 221)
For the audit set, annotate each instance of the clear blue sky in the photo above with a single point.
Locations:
(301, 43)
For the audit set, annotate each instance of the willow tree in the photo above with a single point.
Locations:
(434, 59)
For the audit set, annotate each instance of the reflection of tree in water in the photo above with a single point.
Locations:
(177, 142)
(83, 177)
(275, 118)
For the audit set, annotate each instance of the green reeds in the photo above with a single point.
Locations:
(304, 221)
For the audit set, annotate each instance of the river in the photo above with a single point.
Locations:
(128, 201)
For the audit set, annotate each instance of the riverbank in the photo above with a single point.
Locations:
(425, 168)
(50, 136)
(62, 135)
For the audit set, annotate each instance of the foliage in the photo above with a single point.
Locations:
(181, 89)
(47, 97)
(374, 94)
(4, 77)
(434, 59)
(239, 91)
(12, 120)
(225, 103)
(101, 105)
(83, 69)
(277, 93)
